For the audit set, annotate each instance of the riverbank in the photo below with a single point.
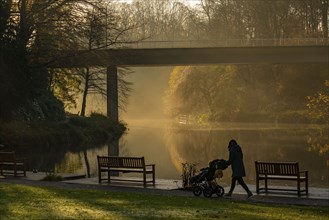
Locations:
(74, 131)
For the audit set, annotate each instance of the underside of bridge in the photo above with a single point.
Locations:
(113, 58)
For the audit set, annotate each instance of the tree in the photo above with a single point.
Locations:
(20, 90)
(36, 29)
(318, 110)
(243, 19)
(26, 29)
(313, 16)
(160, 20)
(204, 90)
(94, 33)
(318, 104)
(102, 29)
(65, 84)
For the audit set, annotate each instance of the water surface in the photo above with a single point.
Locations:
(168, 145)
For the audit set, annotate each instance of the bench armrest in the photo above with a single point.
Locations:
(150, 165)
(21, 160)
(305, 172)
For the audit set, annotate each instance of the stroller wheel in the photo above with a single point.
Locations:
(219, 191)
(197, 190)
(207, 192)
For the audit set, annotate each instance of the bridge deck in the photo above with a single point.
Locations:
(191, 56)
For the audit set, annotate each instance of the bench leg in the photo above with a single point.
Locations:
(144, 178)
(15, 170)
(306, 182)
(109, 176)
(153, 176)
(257, 185)
(298, 187)
(265, 185)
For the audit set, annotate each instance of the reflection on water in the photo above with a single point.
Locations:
(169, 145)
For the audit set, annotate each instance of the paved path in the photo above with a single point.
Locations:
(316, 197)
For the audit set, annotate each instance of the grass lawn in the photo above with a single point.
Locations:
(27, 202)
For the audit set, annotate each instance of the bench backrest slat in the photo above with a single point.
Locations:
(277, 168)
(122, 162)
(7, 156)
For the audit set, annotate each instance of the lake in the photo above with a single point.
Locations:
(169, 144)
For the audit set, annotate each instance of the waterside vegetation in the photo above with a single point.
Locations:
(74, 131)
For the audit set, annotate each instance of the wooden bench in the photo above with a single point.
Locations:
(9, 164)
(110, 164)
(280, 171)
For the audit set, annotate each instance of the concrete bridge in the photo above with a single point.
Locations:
(191, 56)
(276, 52)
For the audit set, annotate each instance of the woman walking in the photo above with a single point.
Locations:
(238, 171)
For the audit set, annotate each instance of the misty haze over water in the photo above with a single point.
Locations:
(147, 98)
(168, 145)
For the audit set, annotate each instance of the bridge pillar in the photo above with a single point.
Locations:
(112, 93)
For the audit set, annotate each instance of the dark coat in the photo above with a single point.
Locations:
(236, 161)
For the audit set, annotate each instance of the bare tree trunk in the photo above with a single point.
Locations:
(324, 9)
(85, 93)
(87, 163)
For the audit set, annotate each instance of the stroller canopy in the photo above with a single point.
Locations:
(208, 173)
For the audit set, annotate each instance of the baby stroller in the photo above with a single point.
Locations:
(205, 182)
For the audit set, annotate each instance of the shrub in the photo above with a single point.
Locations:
(52, 177)
(189, 170)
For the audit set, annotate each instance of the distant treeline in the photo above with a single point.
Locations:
(247, 93)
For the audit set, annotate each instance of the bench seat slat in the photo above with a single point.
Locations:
(276, 177)
(10, 163)
(281, 189)
(125, 170)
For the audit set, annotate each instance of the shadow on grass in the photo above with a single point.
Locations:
(49, 203)
(4, 201)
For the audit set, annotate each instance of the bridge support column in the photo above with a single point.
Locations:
(112, 93)
(113, 148)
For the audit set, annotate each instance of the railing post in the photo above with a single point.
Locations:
(112, 93)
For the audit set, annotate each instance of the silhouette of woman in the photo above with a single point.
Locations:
(238, 171)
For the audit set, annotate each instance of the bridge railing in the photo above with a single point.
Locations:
(227, 43)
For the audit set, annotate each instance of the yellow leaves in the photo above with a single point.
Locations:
(326, 83)
(324, 149)
(318, 141)
(318, 104)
